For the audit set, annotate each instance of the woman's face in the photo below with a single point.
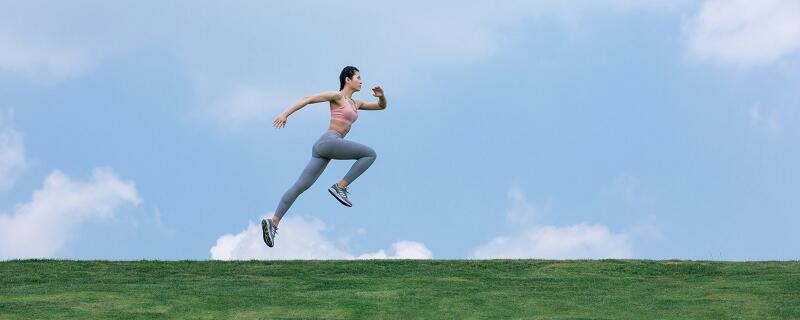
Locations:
(356, 81)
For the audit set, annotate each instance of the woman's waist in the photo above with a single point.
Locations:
(337, 130)
(340, 126)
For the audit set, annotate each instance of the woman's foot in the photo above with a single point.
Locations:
(340, 194)
(269, 231)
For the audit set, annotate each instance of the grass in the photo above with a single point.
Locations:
(399, 289)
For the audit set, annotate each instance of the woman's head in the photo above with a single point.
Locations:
(351, 77)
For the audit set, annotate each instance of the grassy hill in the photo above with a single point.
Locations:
(403, 289)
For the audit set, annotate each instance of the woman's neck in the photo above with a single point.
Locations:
(347, 93)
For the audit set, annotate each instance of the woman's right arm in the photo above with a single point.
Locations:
(280, 120)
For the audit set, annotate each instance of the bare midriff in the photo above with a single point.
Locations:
(340, 127)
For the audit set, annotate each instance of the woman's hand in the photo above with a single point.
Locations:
(280, 121)
(377, 91)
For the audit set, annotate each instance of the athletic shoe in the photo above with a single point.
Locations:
(340, 194)
(269, 231)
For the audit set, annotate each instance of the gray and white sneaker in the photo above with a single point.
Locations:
(340, 194)
(269, 231)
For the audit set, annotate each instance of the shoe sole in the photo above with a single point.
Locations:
(264, 230)
(336, 195)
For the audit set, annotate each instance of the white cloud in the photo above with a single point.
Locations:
(647, 4)
(153, 220)
(402, 250)
(755, 114)
(248, 104)
(648, 228)
(522, 212)
(41, 228)
(580, 241)
(300, 237)
(12, 152)
(745, 33)
(530, 239)
(249, 42)
(39, 62)
(771, 124)
(774, 125)
(627, 188)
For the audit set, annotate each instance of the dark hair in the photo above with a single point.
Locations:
(347, 72)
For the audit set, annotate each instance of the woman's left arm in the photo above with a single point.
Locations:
(374, 105)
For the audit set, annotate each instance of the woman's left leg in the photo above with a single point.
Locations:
(310, 174)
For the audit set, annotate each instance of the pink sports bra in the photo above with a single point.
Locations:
(346, 113)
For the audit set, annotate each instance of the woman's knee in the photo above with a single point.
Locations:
(371, 153)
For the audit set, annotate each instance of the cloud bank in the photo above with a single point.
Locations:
(301, 237)
(580, 241)
(41, 227)
(12, 152)
(530, 240)
(244, 66)
(744, 33)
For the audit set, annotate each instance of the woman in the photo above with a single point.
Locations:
(331, 145)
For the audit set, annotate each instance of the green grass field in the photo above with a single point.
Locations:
(400, 289)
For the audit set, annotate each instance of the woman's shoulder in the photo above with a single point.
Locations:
(337, 99)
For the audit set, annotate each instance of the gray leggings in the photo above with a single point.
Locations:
(329, 146)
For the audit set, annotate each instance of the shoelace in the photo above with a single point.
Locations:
(342, 191)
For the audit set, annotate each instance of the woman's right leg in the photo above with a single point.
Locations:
(310, 174)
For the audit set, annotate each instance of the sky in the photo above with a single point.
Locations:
(519, 129)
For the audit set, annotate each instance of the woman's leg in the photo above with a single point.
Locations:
(310, 174)
(341, 149)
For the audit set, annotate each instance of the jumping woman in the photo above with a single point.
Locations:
(331, 145)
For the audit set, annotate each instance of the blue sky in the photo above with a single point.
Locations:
(624, 129)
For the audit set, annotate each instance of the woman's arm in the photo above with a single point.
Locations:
(375, 105)
(280, 120)
(320, 97)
